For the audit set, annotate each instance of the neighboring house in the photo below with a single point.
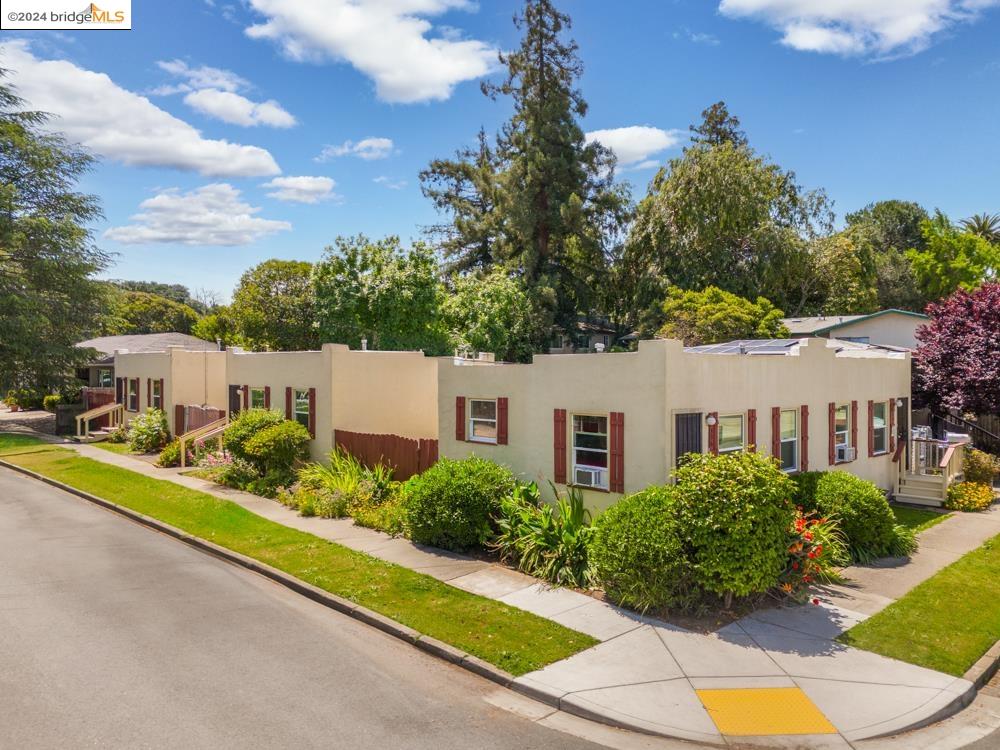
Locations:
(895, 328)
(590, 337)
(617, 423)
(101, 372)
(385, 399)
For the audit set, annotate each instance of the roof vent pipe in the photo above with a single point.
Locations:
(364, 345)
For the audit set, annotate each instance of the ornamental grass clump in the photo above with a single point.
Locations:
(969, 497)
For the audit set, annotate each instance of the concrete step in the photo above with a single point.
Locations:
(934, 502)
(95, 436)
(920, 490)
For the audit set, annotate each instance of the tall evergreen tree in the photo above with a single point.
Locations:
(48, 297)
(717, 127)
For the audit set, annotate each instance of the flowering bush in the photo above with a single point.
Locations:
(969, 496)
(816, 549)
(148, 432)
(981, 467)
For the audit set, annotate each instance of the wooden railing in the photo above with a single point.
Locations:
(201, 434)
(952, 464)
(114, 412)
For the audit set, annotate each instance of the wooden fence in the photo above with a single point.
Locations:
(187, 418)
(407, 456)
(94, 397)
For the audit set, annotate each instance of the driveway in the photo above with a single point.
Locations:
(114, 636)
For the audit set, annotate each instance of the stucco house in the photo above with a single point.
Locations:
(896, 328)
(615, 423)
(100, 373)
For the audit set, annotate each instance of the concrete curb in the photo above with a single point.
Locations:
(983, 670)
(425, 643)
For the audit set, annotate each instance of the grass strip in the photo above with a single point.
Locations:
(947, 622)
(918, 519)
(510, 638)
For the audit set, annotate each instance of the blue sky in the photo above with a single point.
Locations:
(211, 119)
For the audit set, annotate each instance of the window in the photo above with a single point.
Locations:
(105, 377)
(842, 432)
(590, 451)
(156, 396)
(482, 420)
(301, 406)
(133, 394)
(789, 440)
(257, 400)
(731, 433)
(880, 427)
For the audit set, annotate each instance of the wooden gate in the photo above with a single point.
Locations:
(407, 456)
(188, 418)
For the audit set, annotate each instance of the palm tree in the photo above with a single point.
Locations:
(983, 225)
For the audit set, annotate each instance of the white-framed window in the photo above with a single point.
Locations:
(842, 432)
(300, 406)
(105, 377)
(730, 433)
(155, 395)
(880, 427)
(590, 451)
(789, 426)
(482, 420)
(257, 399)
(133, 394)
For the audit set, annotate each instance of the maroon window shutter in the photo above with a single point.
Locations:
(312, 413)
(854, 426)
(149, 392)
(833, 439)
(267, 397)
(119, 391)
(179, 419)
(138, 406)
(713, 434)
(804, 438)
(871, 428)
(502, 420)
(776, 432)
(288, 402)
(752, 430)
(460, 418)
(617, 438)
(246, 396)
(892, 426)
(163, 395)
(559, 445)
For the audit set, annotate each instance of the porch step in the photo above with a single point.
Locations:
(921, 480)
(922, 490)
(96, 436)
(930, 502)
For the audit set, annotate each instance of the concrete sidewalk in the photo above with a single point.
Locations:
(776, 673)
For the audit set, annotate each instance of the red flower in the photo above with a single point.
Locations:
(816, 601)
(795, 566)
(808, 535)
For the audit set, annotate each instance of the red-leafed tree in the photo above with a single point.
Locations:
(957, 364)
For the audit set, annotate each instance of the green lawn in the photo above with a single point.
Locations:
(947, 622)
(917, 519)
(510, 638)
(119, 448)
(13, 442)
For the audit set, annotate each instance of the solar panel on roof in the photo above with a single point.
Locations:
(746, 346)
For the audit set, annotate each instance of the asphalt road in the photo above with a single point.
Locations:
(114, 636)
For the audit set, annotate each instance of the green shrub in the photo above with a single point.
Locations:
(389, 515)
(148, 432)
(981, 467)
(969, 496)
(451, 505)
(244, 426)
(804, 491)
(543, 540)
(862, 511)
(119, 434)
(317, 501)
(637, 554)
(51, 401)
(733, 512)
(25, 398)
(278, 448)
(171, 455)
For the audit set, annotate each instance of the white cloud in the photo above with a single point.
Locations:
(210, 215)
(697, 37)
(303, 189)
(633, 145)
(880, 28)
(390, 182)
(368, 149)
(238, 110)
(91, 109)
(203, 77)
(390, 41)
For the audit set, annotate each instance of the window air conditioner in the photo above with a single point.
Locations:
(588, 477)
(846, 453)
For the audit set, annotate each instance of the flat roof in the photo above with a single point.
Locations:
(826, 323)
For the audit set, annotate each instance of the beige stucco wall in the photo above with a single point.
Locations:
(384, 392)
(153, 365)
(891, 329)
(654, 383)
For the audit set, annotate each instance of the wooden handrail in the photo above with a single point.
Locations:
(97, 411)
(116, 410)
(201, 433)
(900, 447)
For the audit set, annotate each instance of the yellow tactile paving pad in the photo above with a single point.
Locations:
(762, 711)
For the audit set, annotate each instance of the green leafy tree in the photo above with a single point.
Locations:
(718, 126)
(491, 312)
(176, 292)
(465, 189)
(844, 284)
(952, 259)
(142, 312)
(217, 326)
(49, 299)
(713, 316)
(273, 307)
(376, 290)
